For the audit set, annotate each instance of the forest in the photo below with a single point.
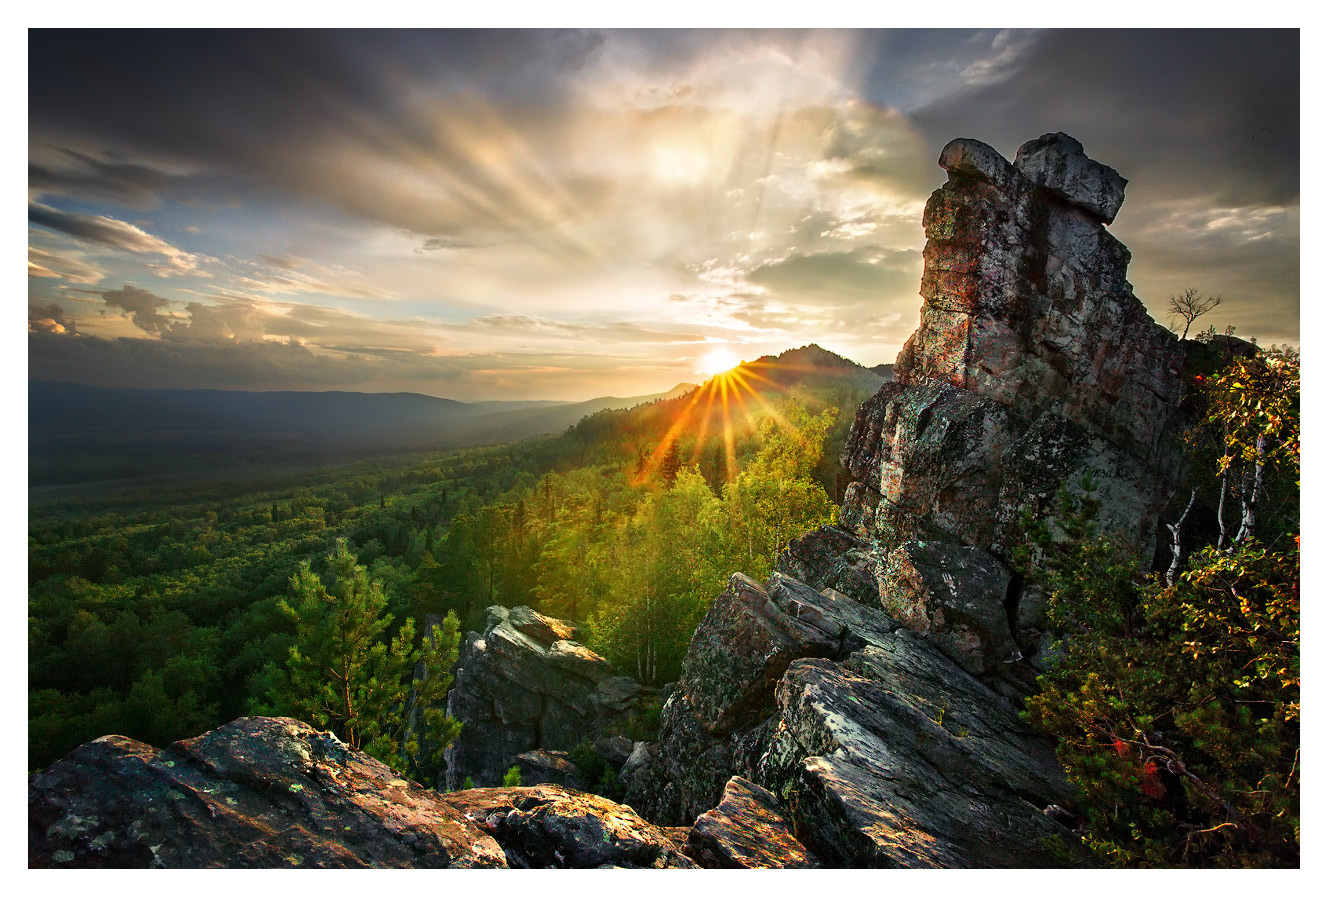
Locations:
(159, 616)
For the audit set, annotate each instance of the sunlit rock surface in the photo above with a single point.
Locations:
(747, 831)
(255, 793)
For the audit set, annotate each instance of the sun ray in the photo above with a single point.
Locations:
(730, 456)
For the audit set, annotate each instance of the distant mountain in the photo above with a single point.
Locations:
(810, 363)
(86, 433)
(507, 426)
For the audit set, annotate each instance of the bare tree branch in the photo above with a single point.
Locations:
(1189, 305)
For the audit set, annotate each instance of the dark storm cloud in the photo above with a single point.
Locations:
(283, 108)
(67, 172)
(1179, 113)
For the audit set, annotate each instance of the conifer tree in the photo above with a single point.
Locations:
(344, 673)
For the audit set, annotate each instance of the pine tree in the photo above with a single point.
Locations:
(343, 673)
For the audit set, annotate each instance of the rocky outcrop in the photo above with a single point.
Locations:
(883, 751)
(892, 737)
(274, 793)
(1034, 364)
(524, 685)
(255, 793)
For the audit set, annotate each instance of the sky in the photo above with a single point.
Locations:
(567, 214)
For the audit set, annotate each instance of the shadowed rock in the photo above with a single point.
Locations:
(523, 685)
(956, 595)
(830, 558)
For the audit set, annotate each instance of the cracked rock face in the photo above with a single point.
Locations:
(1033, 355)
(956, 595)
(525, 685)
(1033, 366)
(274, 793)
(895, 758)
(880, 749)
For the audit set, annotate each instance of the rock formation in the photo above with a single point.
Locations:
(1034, 364)
(524, 685)
(275, 793)
(255, 793)
(883, 750)
(878, 696)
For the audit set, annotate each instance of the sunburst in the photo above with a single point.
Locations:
(716, 361)
(731, 392)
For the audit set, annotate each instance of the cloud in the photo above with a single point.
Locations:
(72, 173)
(49, 319)
(841, 277)
(529, 192)
(1179, 113)
(142, 307)
(106, 231)
(67, 266)
(283, 275)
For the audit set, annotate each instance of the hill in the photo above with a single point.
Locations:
(86, 434)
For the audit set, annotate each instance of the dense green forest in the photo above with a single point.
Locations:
(160, 616)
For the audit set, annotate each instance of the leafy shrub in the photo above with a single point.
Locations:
(1176, 705)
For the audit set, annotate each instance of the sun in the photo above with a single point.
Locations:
(716, 362)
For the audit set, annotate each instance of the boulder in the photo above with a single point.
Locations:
(831, 558)
(1057, 162)
(255, 793)
(549, 768)
(615, 749)
(549, 827)
(747, 831)
(523, 685)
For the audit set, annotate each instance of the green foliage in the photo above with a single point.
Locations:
(775, 498)
(512, 778)
(599, 776)
(343, 671)
(159, 616)
(1177, 707)
(1249, 435)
